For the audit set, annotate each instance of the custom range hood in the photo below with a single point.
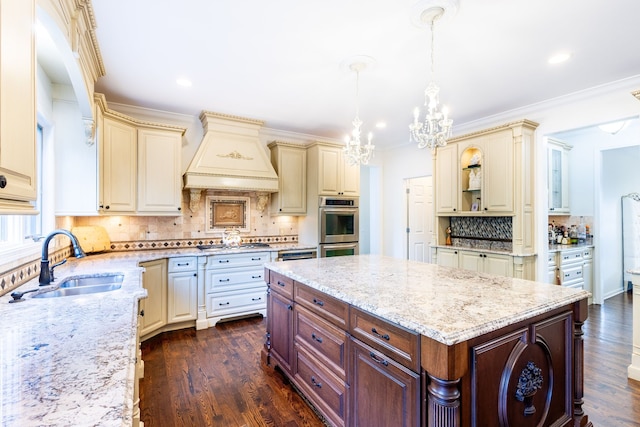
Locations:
(230, 157)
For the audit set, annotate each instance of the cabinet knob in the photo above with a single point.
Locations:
(179, 208)
(141, 313)
(3, 181)
(486, 209)
(454, 209)
(107, 207)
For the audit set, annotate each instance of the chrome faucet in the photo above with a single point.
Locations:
(46, 273)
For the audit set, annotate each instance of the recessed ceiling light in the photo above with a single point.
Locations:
(381, 125)
(183, 82)
(559, 57)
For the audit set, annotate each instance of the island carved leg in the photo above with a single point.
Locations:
(579, 417)
(443, 402)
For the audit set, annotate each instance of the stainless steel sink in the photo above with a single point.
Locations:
(83, 285)
(93, 280)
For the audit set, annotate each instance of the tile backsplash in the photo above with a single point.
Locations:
(189, 225)
(482, 232)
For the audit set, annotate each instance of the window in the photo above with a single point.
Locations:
(16, 230)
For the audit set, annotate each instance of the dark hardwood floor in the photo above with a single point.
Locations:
(214, 377)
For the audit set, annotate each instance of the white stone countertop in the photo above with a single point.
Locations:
(560, 247)
(70, 361)
(445, 304)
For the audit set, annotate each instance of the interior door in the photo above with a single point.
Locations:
(419, 217)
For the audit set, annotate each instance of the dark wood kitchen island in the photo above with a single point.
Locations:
(379, 341)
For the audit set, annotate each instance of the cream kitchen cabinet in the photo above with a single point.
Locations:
(570, 273)
(503, 159)
(235, 285)
(290, 163)
(447, 257)
(490, 158)
(552, 267)
(17, 107)
(118, 167)
(159, 174)
(329, 173)
(494, 195)
(447, 164)
(484, 262)
(182, 289)
(153, 309)
(558, 176)
(140, 166)
(587, 270)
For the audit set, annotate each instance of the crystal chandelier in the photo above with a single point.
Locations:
(354, 150)
(436, 128)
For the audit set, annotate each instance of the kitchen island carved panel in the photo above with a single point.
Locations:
(489, 350)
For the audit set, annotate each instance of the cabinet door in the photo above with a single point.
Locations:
(558, 176)
(587, 275)
(470, 260)
(281, 324)
(383, 392)
(154, 307)
(350, 178)
(447, 257)
(182, 297)
(159, 177)
(446, 184)
(498, 174)
(290, 164)
(118, 167)
(329, 171)
(17, 106)
(501, 265)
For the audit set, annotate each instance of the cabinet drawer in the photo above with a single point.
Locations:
(551, 260)
(327, 392)
(232, 302)
(335, 311)
(587, 253)
(183, 264)
(394, 341)
(281, 284)
(237, 260)
(570, 256)
(571, 274)
(327, 342)
(228, 280)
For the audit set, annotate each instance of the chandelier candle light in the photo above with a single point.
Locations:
(356, 152)
(436, 128)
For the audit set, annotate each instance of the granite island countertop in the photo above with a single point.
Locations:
(446, 304)
(70, 361)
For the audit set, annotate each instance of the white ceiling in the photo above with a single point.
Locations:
(283, 61)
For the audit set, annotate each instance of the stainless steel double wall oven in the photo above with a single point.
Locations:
(339, 224)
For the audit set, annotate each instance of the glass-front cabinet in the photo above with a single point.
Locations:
(471, 179)
(558, 176)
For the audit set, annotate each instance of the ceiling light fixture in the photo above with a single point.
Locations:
(436, 128)
(356, 152)
(613, 127)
